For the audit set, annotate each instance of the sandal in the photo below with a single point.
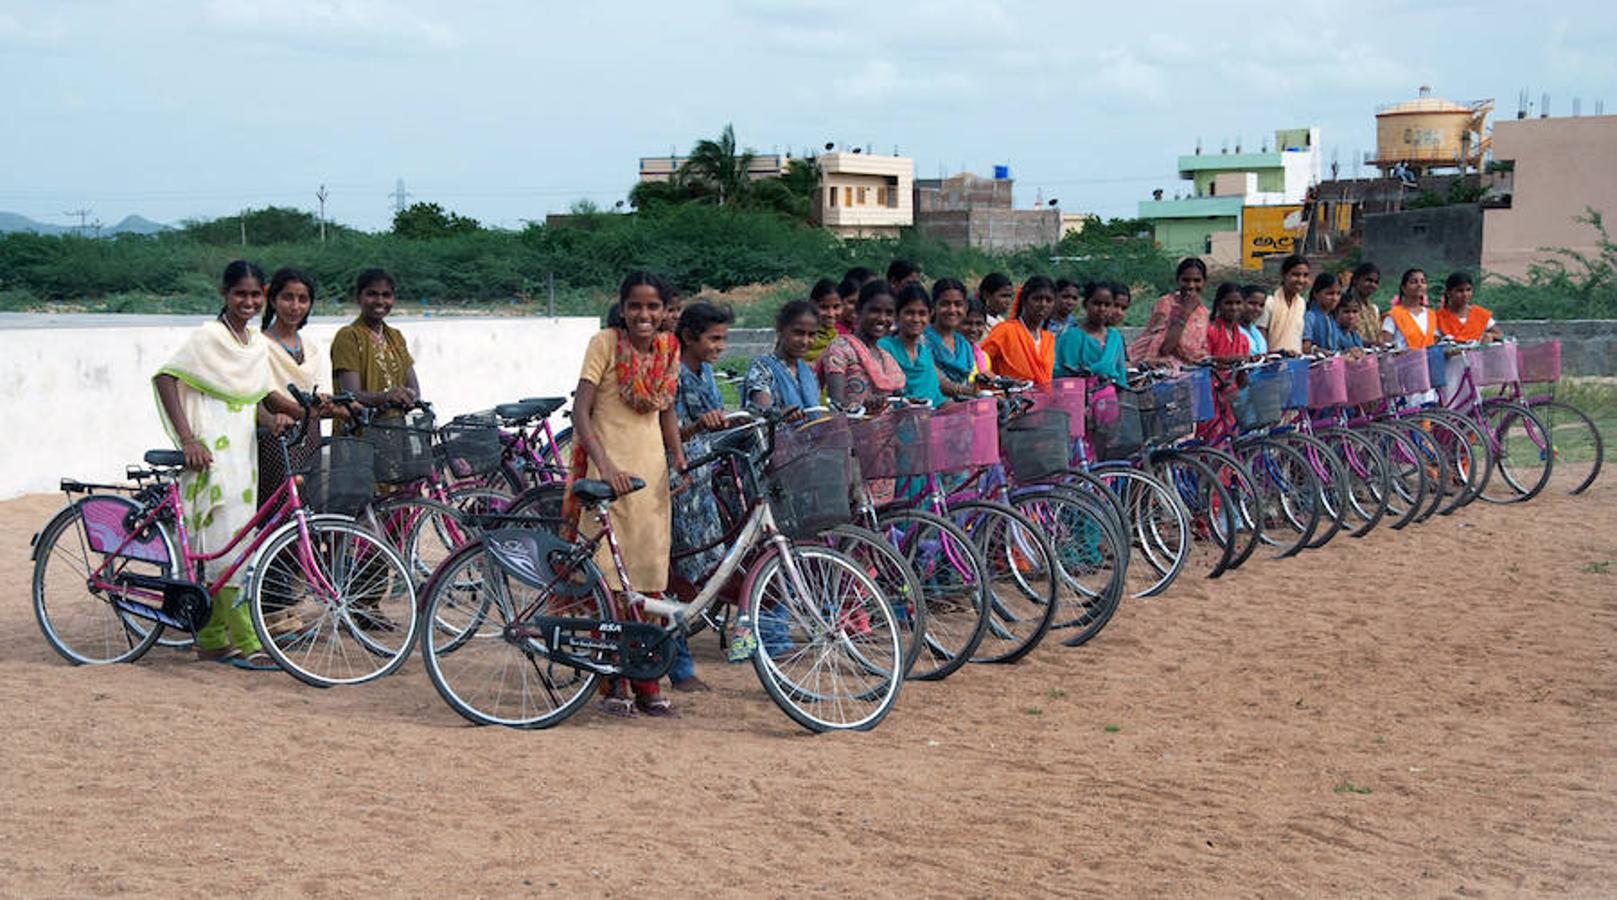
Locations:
(657, 706)
(218, 655)
(618, 707)
(257, 661)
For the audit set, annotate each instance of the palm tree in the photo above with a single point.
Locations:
(718, 166)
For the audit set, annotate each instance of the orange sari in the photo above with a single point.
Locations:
(1472, 329)
(1015, 352)
(1414, 336)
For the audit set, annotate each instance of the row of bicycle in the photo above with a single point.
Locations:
(860, 551)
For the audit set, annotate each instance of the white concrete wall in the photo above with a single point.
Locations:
(77, 401)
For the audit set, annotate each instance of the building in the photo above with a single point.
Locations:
(1213, 221)
(1558, 168)
(1428, 133)
(967, 210)
(662, 168)
(865, 195)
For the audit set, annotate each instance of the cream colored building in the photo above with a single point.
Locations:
(662, 168)
(1559, 167)
(865, 195)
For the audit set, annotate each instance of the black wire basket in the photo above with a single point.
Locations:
(403, 447)
(1169, 413)
(809, 494)
(339, 477)
(469, 446)
(1116, 430)
(1036, 445)
(1262, 402)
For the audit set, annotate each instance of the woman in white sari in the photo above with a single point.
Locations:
(209, 394)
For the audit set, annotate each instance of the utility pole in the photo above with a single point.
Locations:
(321, 194)
(243, 221)
(84, 217)
(400, 195)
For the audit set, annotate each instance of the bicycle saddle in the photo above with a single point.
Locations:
(547, 405)
(589, 490)
(165, 458)
(521, 410)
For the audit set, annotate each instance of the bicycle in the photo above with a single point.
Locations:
(122, 556)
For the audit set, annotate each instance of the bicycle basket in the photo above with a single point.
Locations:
(1387, 365)
(1201, 395)
(1296, 383)
(1117, 432)
(1414, 373)
(403, 447)
(965, 434)
(827, 432)
(1363, 380)
(894, 443)
(1067, 395)
(341, 476)
(1259, 404)
(809, 493)
(1036, 444)
(1327, 383)
(470, 445)
(1170, 413)
(1493, 364)
(1539, 362)
(1437, 365)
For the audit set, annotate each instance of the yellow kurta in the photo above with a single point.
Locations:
(633, 441)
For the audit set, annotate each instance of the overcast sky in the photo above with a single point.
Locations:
(507, 109)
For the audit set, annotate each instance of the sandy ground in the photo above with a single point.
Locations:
(1421, 714)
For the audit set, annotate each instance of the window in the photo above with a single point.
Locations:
(862, 197)
(881, 196)
(830, 196)
(847, 196)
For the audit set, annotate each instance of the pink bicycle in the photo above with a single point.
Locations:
(115, 568)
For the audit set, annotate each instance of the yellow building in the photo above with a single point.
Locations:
(864, 195)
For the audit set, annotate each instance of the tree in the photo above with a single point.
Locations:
(429, 221)
(270, 225)
(718, 166)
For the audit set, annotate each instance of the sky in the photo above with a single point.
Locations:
(505, 110)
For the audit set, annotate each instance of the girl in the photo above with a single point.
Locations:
(1019, 347)
(974, 327)
(909, 346)
(624, 421)
(858, 372)
(211, 394)
(1256, 298)
(853, 281)
(1410, 324)
(1177, 330)
(1282, 319)
(952, 350)
(1226, 343)
(1067, 297)
(1093, 347)
(1347, 319)
(703, 331)
(1320, 331)
(996, 293)
(1122, 297)
(369, 357)
(828, 300)
(1366, 281)
(1461, 319)
(783, 379)
(293, 359)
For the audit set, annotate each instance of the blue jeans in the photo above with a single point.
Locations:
(774, 631)
(684, 666)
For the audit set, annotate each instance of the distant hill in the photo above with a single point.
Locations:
(10, 221)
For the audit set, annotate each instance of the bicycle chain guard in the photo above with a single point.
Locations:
(644, 652)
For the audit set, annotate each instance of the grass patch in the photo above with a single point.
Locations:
(1348, 787)
(1597, 568)
(1034, 710)
(1113, 729)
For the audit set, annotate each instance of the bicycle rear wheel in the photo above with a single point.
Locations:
(1408, 485)
(1212, 530)
(1157, 525)
(953, 588)
(486, 675)
(1287, 494)
(81, 623)
(1089, 553)
(1237, 482)
(1578, 447)
(842, 664)
(356, 601)
(1021, 575)
(892, 573)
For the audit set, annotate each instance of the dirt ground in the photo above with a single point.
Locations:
(1426, 713)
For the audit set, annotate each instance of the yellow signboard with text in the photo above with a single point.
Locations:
(1270, 231)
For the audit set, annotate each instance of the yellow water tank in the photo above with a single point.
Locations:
(1431, 133)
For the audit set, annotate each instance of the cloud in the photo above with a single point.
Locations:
(332, 23)
(34, 32)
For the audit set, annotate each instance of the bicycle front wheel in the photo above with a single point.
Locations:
(831, 656)
(352, 593)
(1574, 440)
(952, 584)
(1522, 455)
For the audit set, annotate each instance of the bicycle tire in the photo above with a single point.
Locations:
(1286, 493)
(104, 624)
(892, 573)
(1332, 481)
(1021, 577)
(1090, 555)
(860, 624)
(1515, 455)
(1470, 458)
(424, 532)
(954, 587)
(1368, 480)
(1407, 481)
(1152, 509)
(1579, 448)
(1213, 536)
(1238, 482)
(475, 674)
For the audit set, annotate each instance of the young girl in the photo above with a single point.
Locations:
(1410, 324)
(1347, 319)
(996, 293)
(212, 394)
(909, 346)
(783, 379)
(293, 359)
(1093, 347)
(1177, 330)
(828, 300)
(1019, 347)
(703, 330)
(1366, 281)
(858, 372)
(1282, 319)
(1122, 297)
(1461, 319)
(1320, 331)
(974, 327)
(370, 357)
(624, 422)
(1067, 296)
(1256, 298)
(853, 281)
(1226, 343)
(952, 350)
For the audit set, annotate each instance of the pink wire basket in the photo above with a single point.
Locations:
(1363, 380)
(1327, 383)
(965, 434)
(1539, 362)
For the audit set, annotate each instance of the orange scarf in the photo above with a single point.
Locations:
(1414, 336)
(1472, 329)
(1013, 352)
